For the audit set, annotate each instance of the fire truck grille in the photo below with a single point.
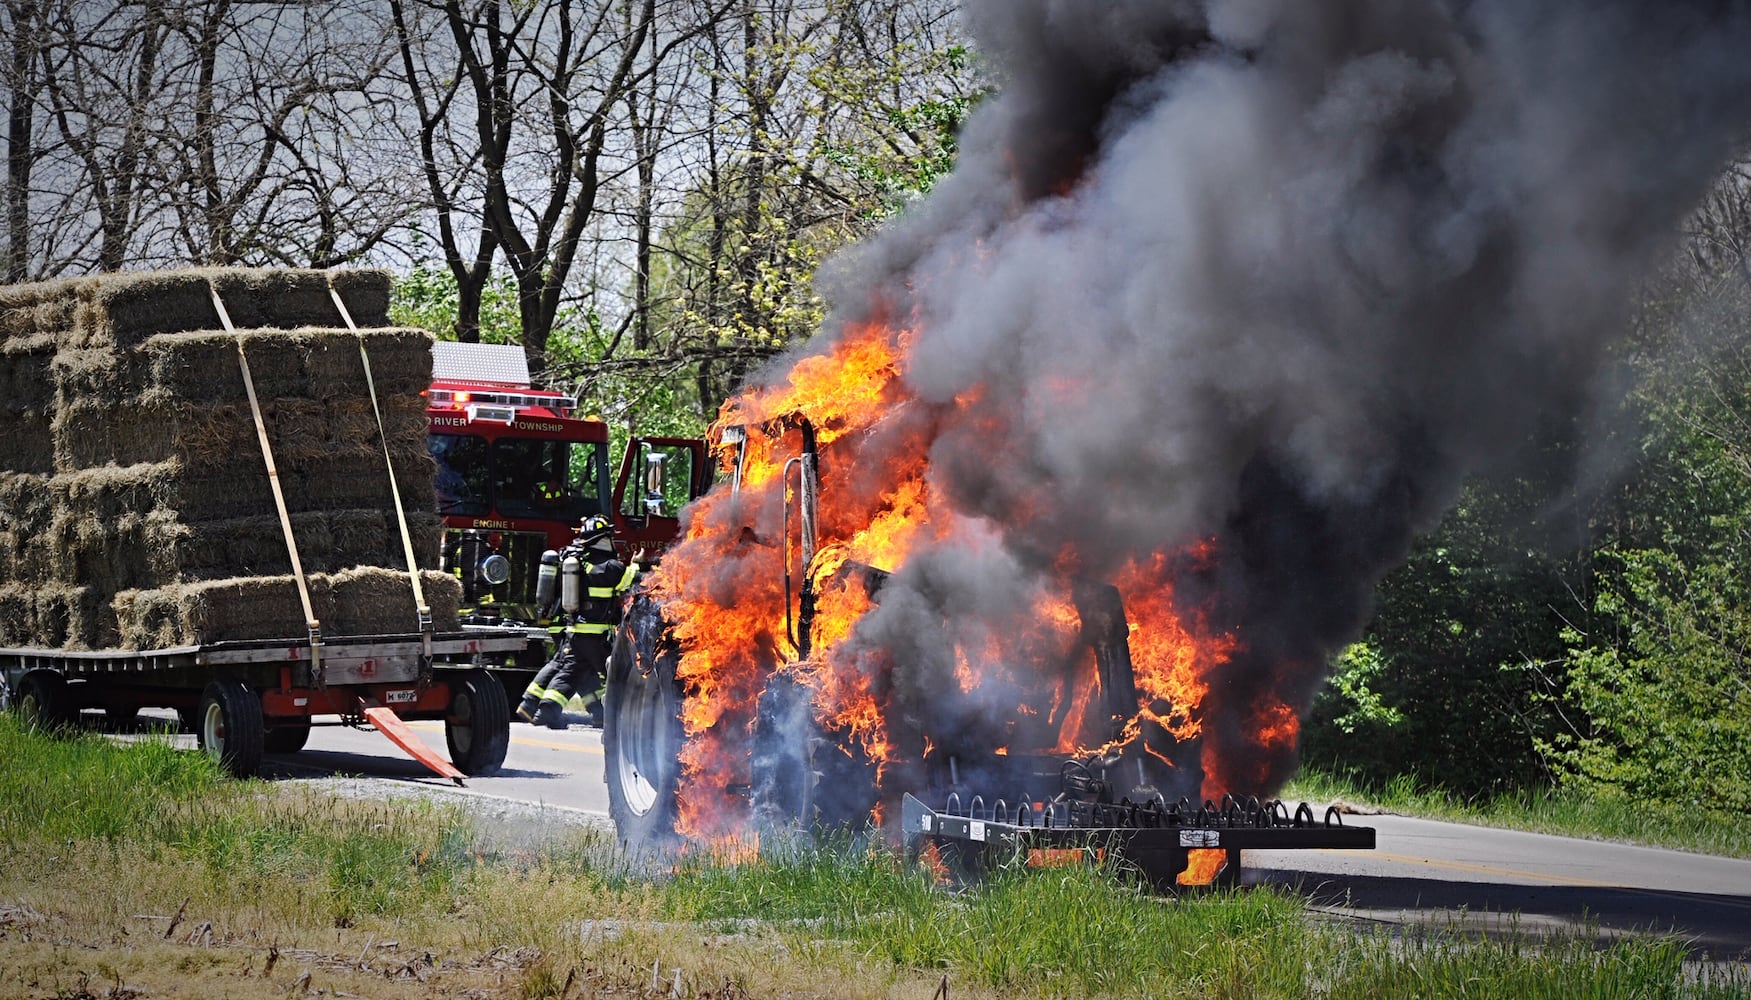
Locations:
(466, 550)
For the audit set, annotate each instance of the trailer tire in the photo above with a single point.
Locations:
(44, 702)
(642, 735)
(477, 725)
(229, 727)
(287, 737)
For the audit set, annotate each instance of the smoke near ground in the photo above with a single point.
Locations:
(1274, 275)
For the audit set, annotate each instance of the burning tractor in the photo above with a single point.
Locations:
(834, 650)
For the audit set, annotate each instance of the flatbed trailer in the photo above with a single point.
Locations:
(246, 698)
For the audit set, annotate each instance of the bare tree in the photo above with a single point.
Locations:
(535, 128)
(816, 121)
(287, 158)
(155, 132)
(106, 89)
(23, 25)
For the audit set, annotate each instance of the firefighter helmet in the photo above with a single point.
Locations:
(592, 528)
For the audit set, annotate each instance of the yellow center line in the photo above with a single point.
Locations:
(551, 745)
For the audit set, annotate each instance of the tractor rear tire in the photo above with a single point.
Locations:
(642, 737)
(807, 782)
(477, 725)
(229, 727)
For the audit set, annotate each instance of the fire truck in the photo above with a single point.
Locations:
(518, 467)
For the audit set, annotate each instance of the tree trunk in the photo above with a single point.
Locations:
(20, 135)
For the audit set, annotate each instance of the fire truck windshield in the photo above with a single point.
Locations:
(463, 474)
(517, 477)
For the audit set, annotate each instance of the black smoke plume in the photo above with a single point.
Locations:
(1276, 274)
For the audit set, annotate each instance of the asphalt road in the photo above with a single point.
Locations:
(1421, 872)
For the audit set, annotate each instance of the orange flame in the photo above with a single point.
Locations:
(723, 590)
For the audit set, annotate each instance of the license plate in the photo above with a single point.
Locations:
(401, 697)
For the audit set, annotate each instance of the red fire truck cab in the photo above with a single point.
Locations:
(518, 468)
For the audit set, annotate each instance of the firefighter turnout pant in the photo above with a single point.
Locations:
(579, 664)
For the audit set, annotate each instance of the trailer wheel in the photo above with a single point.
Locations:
(44, 702)
(642, 735)
(229, 727)
(477, 727)
(287, 737)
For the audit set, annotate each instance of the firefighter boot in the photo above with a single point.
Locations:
(527, 708)
(549, 714)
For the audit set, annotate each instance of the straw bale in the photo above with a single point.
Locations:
(426, 531)
(315, 363)
(110, 492)
(23, 557)
(25, 503)
(366, 601)
(303, 433)
(146, 619)
(348, 483)
(256, 546)
(369, 600)
(213, 611)
(125, 309)
(38, 308)
(50, 617)
(25, 379)
(26, 514)
(27, 442)
(87, 433)
(100, 375)
(17, 625)
(401, 364)
(155, 549)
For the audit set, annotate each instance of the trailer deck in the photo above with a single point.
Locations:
(244, 698)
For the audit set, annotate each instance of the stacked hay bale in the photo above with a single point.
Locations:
(135, 506)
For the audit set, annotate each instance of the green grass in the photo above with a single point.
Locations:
(1600, 814)
(1084, 932)
(344, 859)
(849, 922)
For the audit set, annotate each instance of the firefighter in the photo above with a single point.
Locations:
(581, 637)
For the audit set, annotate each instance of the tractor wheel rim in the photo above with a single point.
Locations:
(640, 719)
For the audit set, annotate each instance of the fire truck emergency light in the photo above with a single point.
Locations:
(502, 414)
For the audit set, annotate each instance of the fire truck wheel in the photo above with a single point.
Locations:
(229, 726)
(287, 737)
(477, 727)
(642, 738)
(43, 700)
